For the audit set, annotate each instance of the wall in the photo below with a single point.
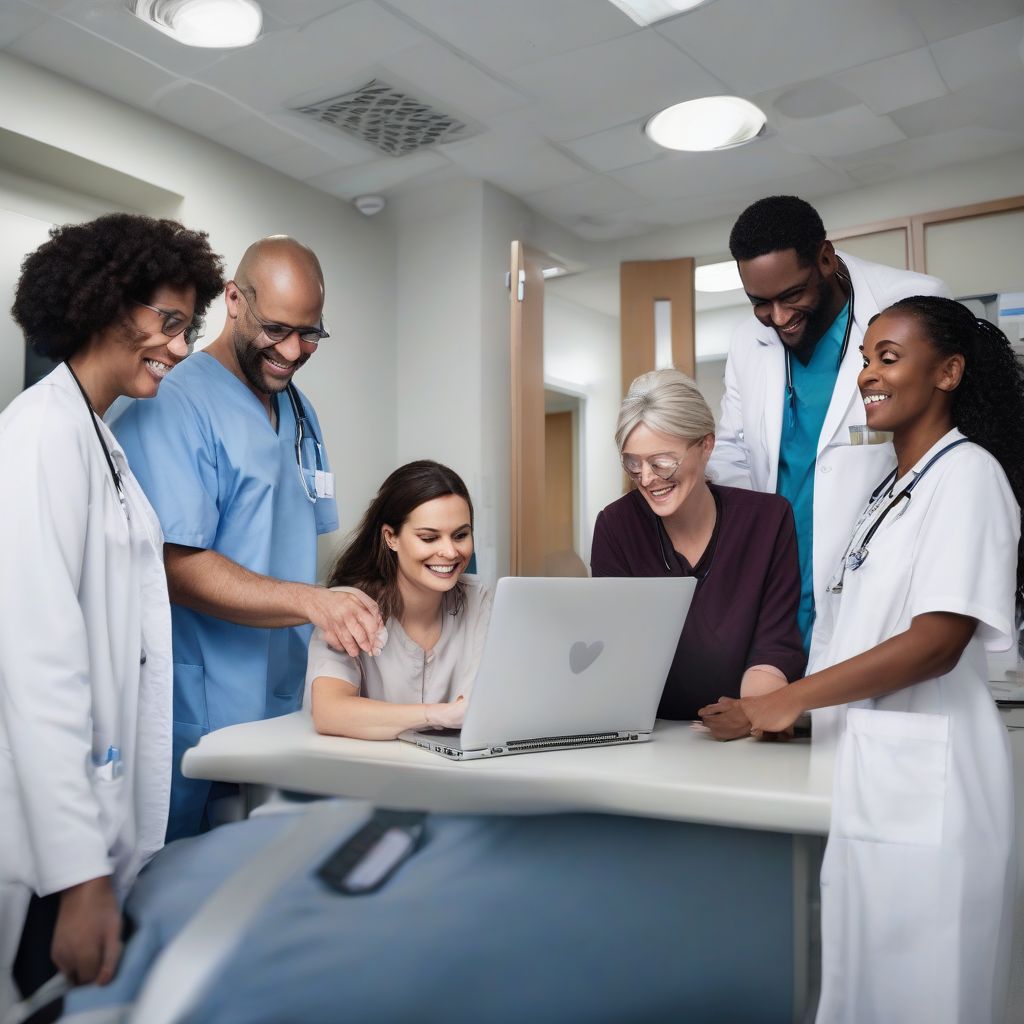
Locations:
(581, 349)
(351, 378)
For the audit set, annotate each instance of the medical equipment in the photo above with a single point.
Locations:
(323, 482)
(844, 275)
(853, 559)
(115, 475)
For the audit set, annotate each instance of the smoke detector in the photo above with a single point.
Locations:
(369, 205)
(387, 118)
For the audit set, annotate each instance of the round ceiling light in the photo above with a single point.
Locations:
(221, 24)
(712, 122)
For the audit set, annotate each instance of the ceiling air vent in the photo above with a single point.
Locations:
(388, 119)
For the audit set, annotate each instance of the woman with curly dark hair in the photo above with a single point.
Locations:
(917, 882)
(409, 554)
(85, 660)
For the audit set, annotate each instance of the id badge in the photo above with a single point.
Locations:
(323, 481)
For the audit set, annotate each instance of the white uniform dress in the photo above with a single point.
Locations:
(85, 660)
(917, 881)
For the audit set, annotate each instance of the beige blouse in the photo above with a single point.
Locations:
(403, 673)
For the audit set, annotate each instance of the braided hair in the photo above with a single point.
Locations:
(988, 405)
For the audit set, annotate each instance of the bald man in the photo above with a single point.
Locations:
(232, 458)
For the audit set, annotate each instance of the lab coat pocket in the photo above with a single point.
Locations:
(890, 782)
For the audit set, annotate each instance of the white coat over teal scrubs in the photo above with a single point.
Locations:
(222, 478)
(85, 661)
(917, 882)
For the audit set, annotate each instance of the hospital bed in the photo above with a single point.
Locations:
(577, 885)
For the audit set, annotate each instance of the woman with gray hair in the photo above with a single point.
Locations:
(740, 637)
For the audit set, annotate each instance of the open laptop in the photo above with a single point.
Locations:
(568, 663)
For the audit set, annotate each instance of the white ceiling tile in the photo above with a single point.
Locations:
(610, 150)
(995, 103)
(458, 86)
(254, 137)
(978, 55)
(698, 174)
(597, 196)
(301, 161)
(916, 156)
(112, 21)
(345, 148)
(332, 55)
(197, 107)
(671, 212)
(609, 84)
(91, 61)
(518, 166)
(758, 46)
(941, 20)
(16, 19)
(504, 36)
(377, 176)
(845, 131)
(894, 82)
(290, 12)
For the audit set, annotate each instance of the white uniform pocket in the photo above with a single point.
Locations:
(890, 781)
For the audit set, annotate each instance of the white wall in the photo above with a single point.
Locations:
(351, 378)
(581, 349)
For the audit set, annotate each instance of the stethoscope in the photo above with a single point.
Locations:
(666, 545)
(790, 392)
(854, 558)
(301, 428)
(114, 474)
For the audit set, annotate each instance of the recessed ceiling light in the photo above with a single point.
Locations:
(717, 277)
(712, 122)
(222, 24)
(647, 12)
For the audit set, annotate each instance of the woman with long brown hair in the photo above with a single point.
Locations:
(409, 554)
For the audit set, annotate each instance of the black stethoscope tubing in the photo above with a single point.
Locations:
(114, 474)
(854, 559)
(302, 424)
(790, 394)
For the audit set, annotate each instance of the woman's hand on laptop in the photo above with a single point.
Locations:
(446, 716)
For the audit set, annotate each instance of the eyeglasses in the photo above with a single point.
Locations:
(174, 324)
(278, 332)
(662, 466)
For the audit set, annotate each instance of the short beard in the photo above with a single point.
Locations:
(250, 361)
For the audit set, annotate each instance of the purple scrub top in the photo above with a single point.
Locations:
(744, 611)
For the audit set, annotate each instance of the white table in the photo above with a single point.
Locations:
(681, 775)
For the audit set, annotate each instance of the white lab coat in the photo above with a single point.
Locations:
(918, 878)
(85, 660)
(746, 450)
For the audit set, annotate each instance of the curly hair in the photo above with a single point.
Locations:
(988, 405)
(774, 224)
(79, 281)
(367, 562)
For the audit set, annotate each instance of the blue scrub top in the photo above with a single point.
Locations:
(222, 478)
(802, 420)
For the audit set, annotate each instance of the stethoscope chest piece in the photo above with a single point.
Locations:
(855, 559)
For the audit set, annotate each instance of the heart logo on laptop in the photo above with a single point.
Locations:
(582, 656)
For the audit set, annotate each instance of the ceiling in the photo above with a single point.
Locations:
(555, 93)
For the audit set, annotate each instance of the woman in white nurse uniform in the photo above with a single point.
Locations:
(85, 634)
(917, 887)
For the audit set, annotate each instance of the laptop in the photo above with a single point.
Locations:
(568, 663)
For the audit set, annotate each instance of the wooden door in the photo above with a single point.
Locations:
(559, 500)
(526, 284)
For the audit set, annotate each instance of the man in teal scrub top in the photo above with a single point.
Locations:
(792, 418)
(233, 460)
